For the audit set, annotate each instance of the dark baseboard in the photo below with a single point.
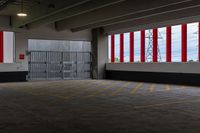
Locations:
(13, 76)
(155, 77)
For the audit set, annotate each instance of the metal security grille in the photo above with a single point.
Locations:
(53, 65)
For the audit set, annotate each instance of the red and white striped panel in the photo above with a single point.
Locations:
(6, 47)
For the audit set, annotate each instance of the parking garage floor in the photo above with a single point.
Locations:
(98, 106)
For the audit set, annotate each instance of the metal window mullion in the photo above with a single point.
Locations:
(63, 75)
(47, 76)
(30, 69)
(76, 64)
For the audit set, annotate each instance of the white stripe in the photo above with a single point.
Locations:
(8, 47)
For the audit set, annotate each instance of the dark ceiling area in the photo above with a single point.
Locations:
(112, 15)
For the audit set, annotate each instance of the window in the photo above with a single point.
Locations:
(137, 46)
(148, 45)
(7, 47)
(192, 42)
(126, 47)
(162, 44)
(117, 43)
(176, 43)
(172, 45)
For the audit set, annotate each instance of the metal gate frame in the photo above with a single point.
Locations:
(56, 65)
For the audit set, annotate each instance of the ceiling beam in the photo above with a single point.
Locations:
(70, 11)
(134, 16)
(73, 11)
(112, 12)
(40, 11)
(159, 20)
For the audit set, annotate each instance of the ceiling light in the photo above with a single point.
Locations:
(22, 13)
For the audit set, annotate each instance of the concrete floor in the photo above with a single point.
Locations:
(104, 106)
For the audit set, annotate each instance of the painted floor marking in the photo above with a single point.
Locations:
(120, 88)
(168, 88)
(134, 90)
(103, 89)
(167, 103)
(97, 85)
(152, 88)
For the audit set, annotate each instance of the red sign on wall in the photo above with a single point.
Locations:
(21, 56)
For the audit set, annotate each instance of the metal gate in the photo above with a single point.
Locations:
(52, 65)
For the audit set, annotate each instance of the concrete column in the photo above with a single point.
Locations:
(99, 53)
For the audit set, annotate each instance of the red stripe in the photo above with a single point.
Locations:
(121, 47)
(131, 46)
(1, 47)
(155, 45)
(142, 50)
(199, 42)
(112, 48)
(184, 42)
(168, 44)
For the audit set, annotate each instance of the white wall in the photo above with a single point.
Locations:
(48, 33)
(156, 67)
(13, 67)
(8, 40)
(44, 32)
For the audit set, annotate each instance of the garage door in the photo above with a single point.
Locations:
(61, 64)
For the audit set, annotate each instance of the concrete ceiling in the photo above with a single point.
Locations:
(110, 15)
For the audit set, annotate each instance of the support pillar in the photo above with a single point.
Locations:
(99, 53)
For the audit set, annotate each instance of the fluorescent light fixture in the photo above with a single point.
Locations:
(21, 14)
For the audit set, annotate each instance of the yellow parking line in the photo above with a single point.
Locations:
(103, 89)
(167, 103)
(134, 90)
(73, 95)
(81, 84)
(96, 86)
(152, 88)
(87, 89)
(168, 87)
(120, 88)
